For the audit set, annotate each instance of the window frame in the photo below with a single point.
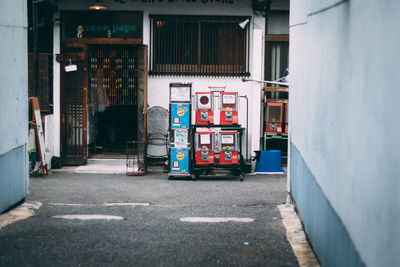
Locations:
(270, 40)
(238, 65)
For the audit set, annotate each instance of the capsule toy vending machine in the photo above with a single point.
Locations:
(180, 160)
(180, 115)
(204, 108)
(286, 118)
(228, 147)
(180, 127)
(274, 118)
(229, 105)
(205, 147)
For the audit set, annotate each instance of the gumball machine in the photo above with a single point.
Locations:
(286, 118)
(204, 108)
(274, 118)
(229, 147)
(229, 104)
(205, 147)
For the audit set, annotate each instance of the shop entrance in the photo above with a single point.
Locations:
(112, 97)
(104, 102)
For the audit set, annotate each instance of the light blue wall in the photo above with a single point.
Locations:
(13, 102)
(344, 120)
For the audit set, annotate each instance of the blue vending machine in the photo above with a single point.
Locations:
(180, 123)
(180, 116)
(179, 160)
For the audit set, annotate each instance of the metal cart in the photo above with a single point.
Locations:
(206, 157)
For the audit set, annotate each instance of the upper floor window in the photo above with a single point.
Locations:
(199, 45)
(276, 56)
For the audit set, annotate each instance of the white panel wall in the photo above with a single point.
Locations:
(13, 75)
(14, 178)
(56, 90)
(344, 112)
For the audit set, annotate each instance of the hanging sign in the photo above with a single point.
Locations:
(71, 67)
(102, 24)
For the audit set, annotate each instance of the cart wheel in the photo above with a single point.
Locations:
(241, 177)
(196, 176)
(170, 177)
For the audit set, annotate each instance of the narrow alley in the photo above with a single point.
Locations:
(151, 221)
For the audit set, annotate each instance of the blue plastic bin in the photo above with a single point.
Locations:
(270, 161)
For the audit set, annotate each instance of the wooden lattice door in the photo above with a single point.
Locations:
(142, 94)
(74, 109)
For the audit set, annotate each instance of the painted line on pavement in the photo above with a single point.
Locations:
(88, 217)
(107, 204)
(216, 219)
(118, 204)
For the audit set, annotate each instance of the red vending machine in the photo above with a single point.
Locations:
(204, 108)
(274, 118)
(229, 105)
(205, 147)
(286, 118)
(229, 147)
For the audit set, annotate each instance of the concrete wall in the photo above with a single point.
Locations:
(13, 102)
(158, 86)
(278, 24)
(344, 128)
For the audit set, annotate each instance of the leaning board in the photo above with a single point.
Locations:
(34, 106)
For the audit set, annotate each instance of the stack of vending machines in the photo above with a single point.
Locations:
(276, 123)
(217, 135)
(180, 127)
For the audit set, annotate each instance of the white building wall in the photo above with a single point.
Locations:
(344, 115)
(56, 89)
(13, 102)
(158, 86)
(14, 74)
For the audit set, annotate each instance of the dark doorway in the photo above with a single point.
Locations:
(113, 97)
(115, 126)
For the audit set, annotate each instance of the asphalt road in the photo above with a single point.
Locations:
(152, 232)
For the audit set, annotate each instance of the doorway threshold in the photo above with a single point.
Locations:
(108, 155)
(104, 165)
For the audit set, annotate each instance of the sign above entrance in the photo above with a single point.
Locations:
(175, 1)
(102, 24)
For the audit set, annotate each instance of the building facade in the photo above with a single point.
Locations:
(344, 129)
(132, 52)
(14, 177)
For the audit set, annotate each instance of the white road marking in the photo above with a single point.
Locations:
(88, 217)
(215, 219)
(126, 204)
(107, 204)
